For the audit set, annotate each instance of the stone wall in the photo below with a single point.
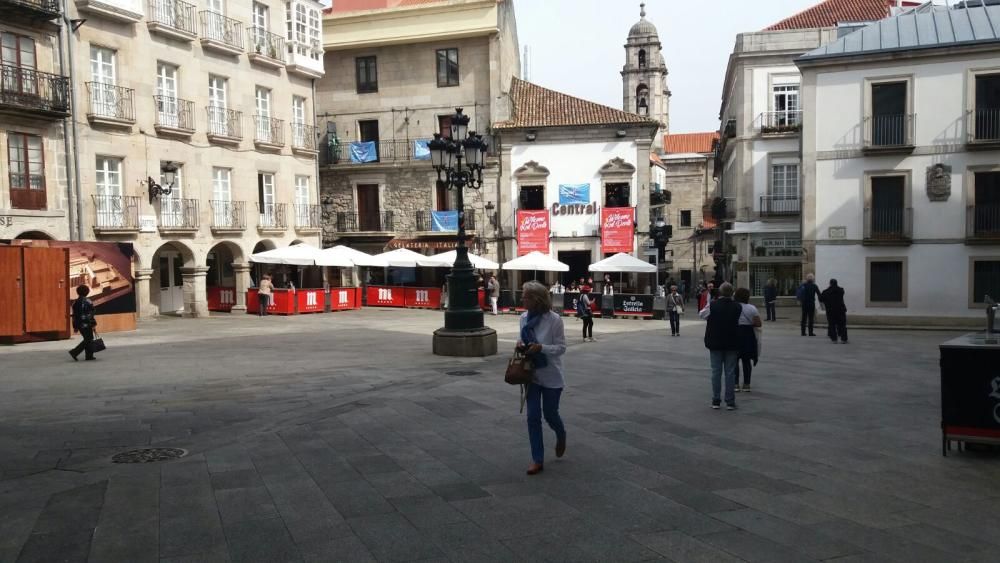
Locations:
(691, 185)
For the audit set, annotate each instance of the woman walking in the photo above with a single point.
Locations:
(749, 322)
(675, 306)
(264, 295)
(583, 309)
(543, 339)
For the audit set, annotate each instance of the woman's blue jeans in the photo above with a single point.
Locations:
(542, 401)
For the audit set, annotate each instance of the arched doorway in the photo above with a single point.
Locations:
(33, 235)
(167, 283)
(220, 281)
(257, 270)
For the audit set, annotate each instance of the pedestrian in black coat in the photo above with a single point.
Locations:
(832, 300)
(771, 299)
(807, 294)
(84, 323)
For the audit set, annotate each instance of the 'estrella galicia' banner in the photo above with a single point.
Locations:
(444, 221)
(363, 151)
(421, 150)
(638, 305)
(573, 194)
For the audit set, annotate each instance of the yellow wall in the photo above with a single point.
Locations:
(433, 23)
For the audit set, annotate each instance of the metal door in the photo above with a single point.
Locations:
(11, 292)
(46, 295)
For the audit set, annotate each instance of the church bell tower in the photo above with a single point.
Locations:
(644, 76)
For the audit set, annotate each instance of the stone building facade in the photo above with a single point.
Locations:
(389, 88)
(644, 76)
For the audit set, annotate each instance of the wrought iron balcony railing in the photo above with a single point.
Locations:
(778, 122)
(266, 44)
(394, 150)
(174, 14)
(303, 136)
(226, 31)
(887, 132)
(31, 90)
(308, 216)
(776, 205)
(884, 225)
(110, 102)
(223, 122)
(272, 216)
(116, 212)
(176, 213)
(425, 220)
(983, 125)
(268, 130)
(228, 215)
(982, 223)
(174, 113)
(365, 222)
(45, 8)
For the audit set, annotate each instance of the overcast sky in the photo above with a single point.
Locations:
(576, 47)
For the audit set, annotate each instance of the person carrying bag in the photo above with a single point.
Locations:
(84, 323)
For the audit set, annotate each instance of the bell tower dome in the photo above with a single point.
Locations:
(644, 76)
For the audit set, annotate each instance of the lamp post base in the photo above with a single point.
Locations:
(475, 343)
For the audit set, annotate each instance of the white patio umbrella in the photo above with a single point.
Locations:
(622, 262)
(296, 255)
(447, 260)
(403, 258)
(347, 257)
(536, 261)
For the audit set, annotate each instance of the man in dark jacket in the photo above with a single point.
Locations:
(807, 294)
(722, 338)
(84, 323)
(832, 299)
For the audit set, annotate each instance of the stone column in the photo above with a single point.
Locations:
(195, 291)
(241, 272)
(143, 300)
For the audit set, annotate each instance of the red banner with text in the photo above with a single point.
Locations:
(532, 231)
(617, 229)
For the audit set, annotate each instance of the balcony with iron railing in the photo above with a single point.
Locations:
(779, 122)
(29, 10)
(308, 217)
(266, 48)
(225, 126)
(110, 105)
(174, 116)
(305, 58)
(889, 133)
(26, 90)
(891, 226)
(304, 139)
(116, 214)
(171, 18)
(374, 222)
(269, 133)
(220, 33)
(178, 216)
(983, 128)
(126, 11)
(228, 216)
(779, 205)
(425, 221)
(272, 217)
(982, 224)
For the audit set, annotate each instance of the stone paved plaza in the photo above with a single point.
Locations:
(341, 438)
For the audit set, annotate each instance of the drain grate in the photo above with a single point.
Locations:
(148, 455)
(462, 373)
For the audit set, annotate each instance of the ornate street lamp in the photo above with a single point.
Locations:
(459, 163)
(169, 170)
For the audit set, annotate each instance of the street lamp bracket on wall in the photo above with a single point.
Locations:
(169, 171)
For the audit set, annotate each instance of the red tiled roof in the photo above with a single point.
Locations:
(832, 12)
(689, 142)
(534, 106)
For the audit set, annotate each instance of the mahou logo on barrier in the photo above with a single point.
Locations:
(617, 229)
(532, 231)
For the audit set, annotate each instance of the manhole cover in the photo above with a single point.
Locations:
(462, 373)
(148, 455)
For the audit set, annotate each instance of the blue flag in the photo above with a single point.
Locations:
(444, 221)
(573, 194)
(421, 151)
(363, 151)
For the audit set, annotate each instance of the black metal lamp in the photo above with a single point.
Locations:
(489, 213)
(169, 171)
(459, 163)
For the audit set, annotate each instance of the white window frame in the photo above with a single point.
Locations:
(107, 187)
(267, 206)
(171, 208)
(218, 94)
(303, 198)
(166, 86)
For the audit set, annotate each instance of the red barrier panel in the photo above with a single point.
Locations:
(422, 297)
(386, 296)
(221, 299)
(345, 298)
(309, 301)
(282, 302)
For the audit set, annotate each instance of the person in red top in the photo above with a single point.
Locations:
(705, 297)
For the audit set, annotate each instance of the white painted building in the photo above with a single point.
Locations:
(901, 179)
